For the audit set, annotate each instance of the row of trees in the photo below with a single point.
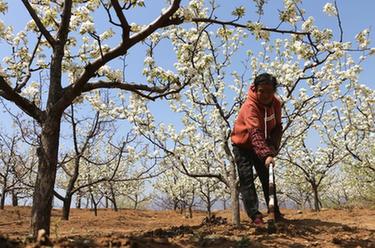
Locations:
(64, 65)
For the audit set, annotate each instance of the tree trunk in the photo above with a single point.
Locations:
(115, 208)
(3, 195)
(190, 212)
(69, 190)
(235, 206)
(136, 201)
(175, 205)
(316, 198)
(94, 204)
(114, 203)
(78, 200)
(209, 213)
(234, 194)
(66, 207)
(14, 198)
(45, 181)
(208, 200)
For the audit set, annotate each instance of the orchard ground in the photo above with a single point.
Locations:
(353, 227)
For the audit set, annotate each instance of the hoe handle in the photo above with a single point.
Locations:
(271, 203)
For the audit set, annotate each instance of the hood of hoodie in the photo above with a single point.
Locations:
(267, 111)
(252, 97)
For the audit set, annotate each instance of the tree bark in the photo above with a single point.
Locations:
(69, 191)
(114, 202)
(14, 198)
(43, 193)
(66, 207)
(4, 190)
(78, 200)
(234, 194)
(3, 195)
(175, 204)
(94, 204)
(316, 198)
(190, 212)
(136, 201)
(209, 213)
(235, 206)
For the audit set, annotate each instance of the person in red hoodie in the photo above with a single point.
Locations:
(256, 137)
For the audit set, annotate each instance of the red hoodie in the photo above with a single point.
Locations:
(258, 127)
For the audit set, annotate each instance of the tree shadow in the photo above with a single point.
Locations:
(312, 226)
(190, 236)
(9, 243)
(312, 231)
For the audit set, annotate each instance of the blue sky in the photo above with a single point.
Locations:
(355, 15)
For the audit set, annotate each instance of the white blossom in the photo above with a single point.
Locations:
(330, 9)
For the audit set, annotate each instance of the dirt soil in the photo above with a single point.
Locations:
(146, 228)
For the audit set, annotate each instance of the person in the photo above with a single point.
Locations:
(256, 138)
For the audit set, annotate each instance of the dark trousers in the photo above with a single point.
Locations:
(245, 160)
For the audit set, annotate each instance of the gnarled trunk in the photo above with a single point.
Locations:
(43, 192)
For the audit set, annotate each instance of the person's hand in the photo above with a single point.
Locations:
(269, 161)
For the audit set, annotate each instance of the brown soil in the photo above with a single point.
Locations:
(145, 228)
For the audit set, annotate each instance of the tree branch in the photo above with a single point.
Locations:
(163, 20)
(28, 107)
(74, 90)
(239, 25)
(124, 23)
(124, 86)
(62, 33)
(39, 23)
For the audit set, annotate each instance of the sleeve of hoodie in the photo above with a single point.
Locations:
(258, 142)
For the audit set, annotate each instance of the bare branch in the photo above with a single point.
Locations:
(339, 22)
(239, 25)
